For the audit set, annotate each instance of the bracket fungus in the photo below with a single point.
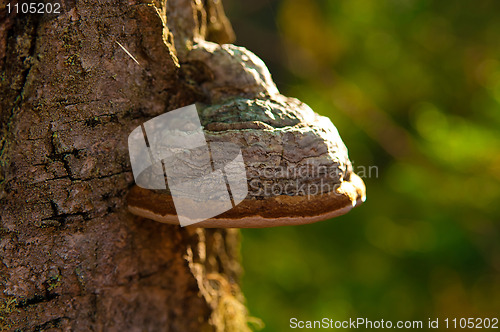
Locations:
(296, 166)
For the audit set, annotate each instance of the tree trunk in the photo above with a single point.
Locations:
(71, 256)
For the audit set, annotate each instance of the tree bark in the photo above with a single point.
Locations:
(71, 256)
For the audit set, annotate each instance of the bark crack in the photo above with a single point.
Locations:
(37, 299)
(15, 96)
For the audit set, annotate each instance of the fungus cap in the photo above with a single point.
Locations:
(296, 166)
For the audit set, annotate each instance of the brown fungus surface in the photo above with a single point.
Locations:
(297, 166)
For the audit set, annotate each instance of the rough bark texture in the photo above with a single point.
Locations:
(71, 256)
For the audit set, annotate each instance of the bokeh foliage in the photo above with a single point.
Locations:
(414, 88)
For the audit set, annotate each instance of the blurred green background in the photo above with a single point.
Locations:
(414, 89)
